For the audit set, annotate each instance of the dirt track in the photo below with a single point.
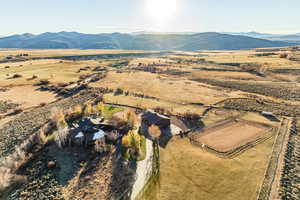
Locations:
(230, 137)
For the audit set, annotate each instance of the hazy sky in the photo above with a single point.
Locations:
(95, 16)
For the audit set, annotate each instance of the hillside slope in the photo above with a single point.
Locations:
(200, 41)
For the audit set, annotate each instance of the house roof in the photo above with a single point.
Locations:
(179, 123)
(79, 135)
(98, 135)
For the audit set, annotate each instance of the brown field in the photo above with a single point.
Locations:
(231, 135)
(188, 172)
(165, 88)
(27, 96)
(61, 52)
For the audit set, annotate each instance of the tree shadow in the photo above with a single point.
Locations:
(165, 137)
(123, 177)
(271, 118)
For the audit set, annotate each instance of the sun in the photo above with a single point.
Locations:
(161, 11)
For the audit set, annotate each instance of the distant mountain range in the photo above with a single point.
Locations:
(274, 37)
(197, 41)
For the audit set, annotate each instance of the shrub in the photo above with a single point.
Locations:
(43, 104)
(98, 99)
(118, 91)
(16, 111)
(16, 76)
(60, 136)
(59, 118)
(6, 177)
(160, 110)
(33, 77)
(283, 55)
(62, 84)
(43, 82)
(11, 164)
(191, 116)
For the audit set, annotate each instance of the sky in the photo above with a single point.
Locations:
(97, 16)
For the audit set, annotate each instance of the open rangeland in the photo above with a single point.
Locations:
(187, 172)
(197, 88)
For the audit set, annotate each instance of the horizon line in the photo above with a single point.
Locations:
(153, 32)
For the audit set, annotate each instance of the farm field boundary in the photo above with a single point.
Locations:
(235, 151)
(269, 177)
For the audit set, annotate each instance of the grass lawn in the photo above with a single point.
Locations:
(143, 149)
(109, 111)
(187, 172)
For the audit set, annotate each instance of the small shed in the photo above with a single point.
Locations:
(150, 117)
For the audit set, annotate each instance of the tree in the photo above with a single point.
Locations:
(126, 141)
(131, 118)
(62, 127)
(88, 109)
(100, 107)
(154, 132)
(132, 144)
(77, 110)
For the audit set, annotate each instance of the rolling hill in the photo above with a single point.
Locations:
(199, 41)
(291, 38)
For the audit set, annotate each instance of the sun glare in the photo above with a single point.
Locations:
(161, 10)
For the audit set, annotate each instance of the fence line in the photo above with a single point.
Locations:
(233, 152)
(269, 177)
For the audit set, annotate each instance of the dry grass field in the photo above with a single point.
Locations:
(53, 70)
(61, 52)
(27, 96)
(150, 103)
(191, 173)
(166, 88)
